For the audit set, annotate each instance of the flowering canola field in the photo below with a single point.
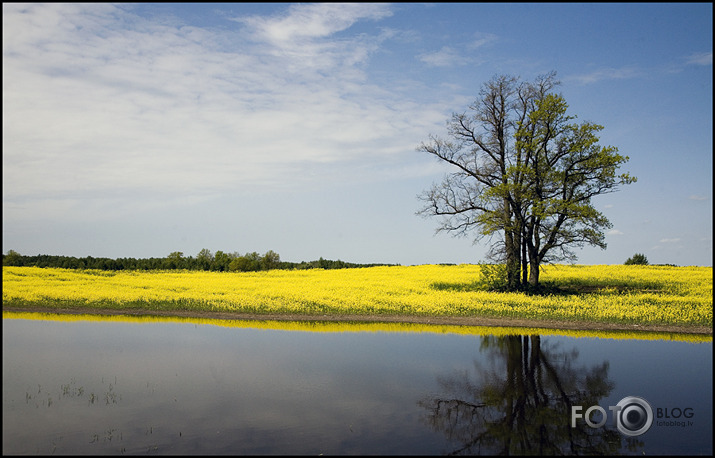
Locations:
(604, 293)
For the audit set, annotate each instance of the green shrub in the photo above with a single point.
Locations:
(637, 259)
(493, 278)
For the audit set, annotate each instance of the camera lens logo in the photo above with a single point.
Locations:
(634, 417)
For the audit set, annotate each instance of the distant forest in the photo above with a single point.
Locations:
(204, 260)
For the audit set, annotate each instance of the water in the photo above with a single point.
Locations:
(89, 387)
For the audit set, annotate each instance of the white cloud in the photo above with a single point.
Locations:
(700, 58)
(303, 37)
(449, 56)
(458, 54)
(614, 232)
(696, 197)
(483, 39)
(305, 22)
(97, 100)
(445, 57)
(605, 74)
(673, 240)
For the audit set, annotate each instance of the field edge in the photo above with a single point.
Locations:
(432, 320)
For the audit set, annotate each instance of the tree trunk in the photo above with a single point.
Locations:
(532, 247)
(534, 260)
(512, 245)
(513, 264)
(534, 271)
(524, 260)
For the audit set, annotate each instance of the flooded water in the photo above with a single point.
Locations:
(183, 387)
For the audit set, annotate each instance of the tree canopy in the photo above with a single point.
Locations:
(637, 259)
(524, 171)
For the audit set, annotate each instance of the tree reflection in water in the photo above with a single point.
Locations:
(521, 405)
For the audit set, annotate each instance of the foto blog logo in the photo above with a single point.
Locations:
(633, 416)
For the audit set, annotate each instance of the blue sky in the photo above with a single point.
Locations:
(139, 130)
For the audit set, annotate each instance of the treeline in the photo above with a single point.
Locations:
(204, 260)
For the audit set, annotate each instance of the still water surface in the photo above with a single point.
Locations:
(88, 387)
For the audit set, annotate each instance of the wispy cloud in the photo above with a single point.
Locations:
(603, 74)
(628, 72)
(700, 58)
(445, 57)
(482, 39)
(304, 33)
(697, 197)
(457, 55)
(99, 101)
(614, 232)
(673, 240)
(306, 22)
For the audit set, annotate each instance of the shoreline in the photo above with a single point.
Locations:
(435, 320)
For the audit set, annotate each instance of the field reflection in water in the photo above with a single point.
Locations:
(143, 385)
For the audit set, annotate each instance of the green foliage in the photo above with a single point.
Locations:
(637, 259)
(250, 262)
(175, 260)
(525, 171)
(493, 277)
(204, 258)
(12, 258)
(221, 262)
(270, 260)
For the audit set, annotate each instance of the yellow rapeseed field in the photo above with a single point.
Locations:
(604, 293)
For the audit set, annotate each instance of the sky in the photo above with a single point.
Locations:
(137, 130)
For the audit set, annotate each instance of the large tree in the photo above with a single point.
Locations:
(524, 171)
